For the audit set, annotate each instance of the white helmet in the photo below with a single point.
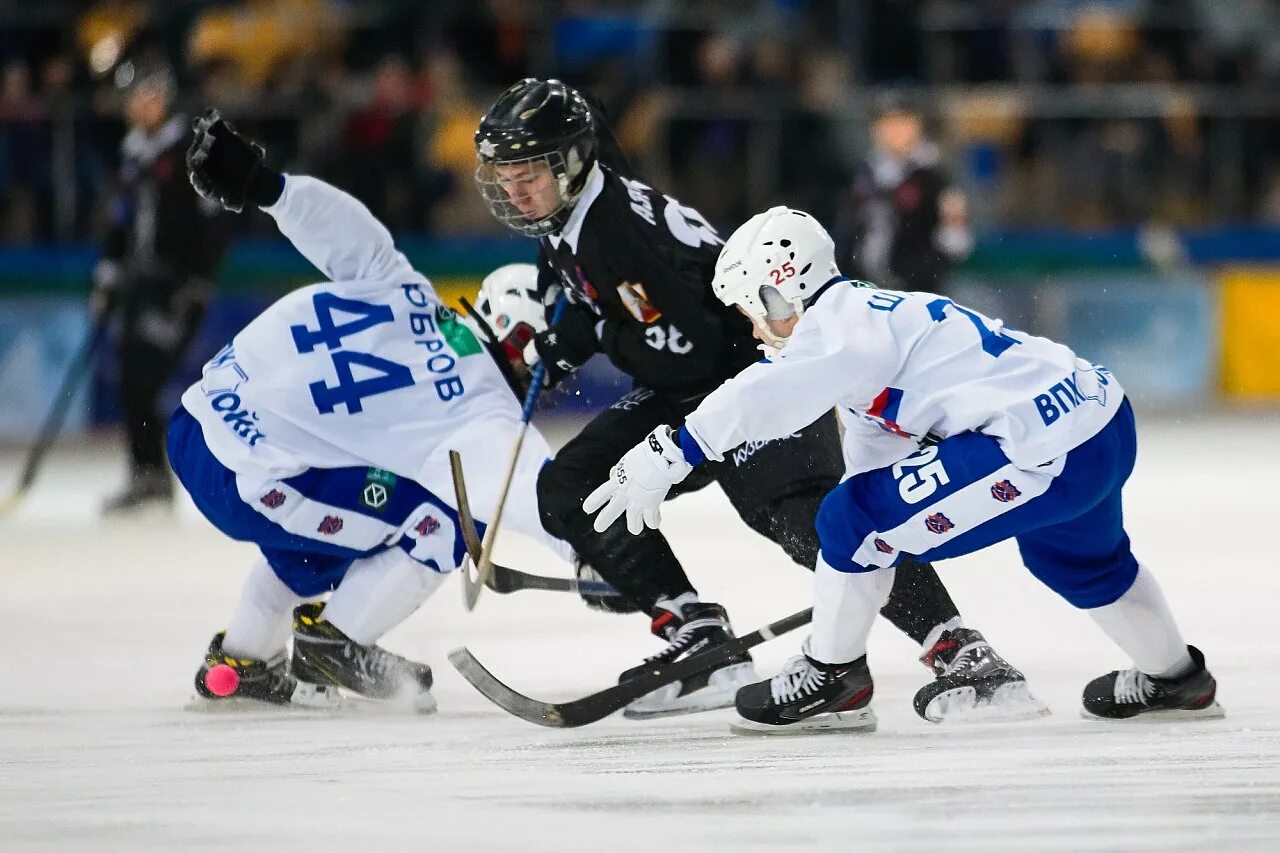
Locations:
(773, 264)
(508, 301)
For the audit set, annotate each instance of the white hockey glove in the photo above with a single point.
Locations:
(639, 483)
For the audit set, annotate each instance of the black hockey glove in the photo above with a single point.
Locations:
(566, 346)
(225, 167)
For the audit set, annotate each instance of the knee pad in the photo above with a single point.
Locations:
(558, 498)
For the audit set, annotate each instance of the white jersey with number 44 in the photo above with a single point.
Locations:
(366, 369)
(902, 366)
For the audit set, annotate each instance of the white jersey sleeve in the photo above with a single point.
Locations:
(911, 366)
(337, 233)
(776, 397)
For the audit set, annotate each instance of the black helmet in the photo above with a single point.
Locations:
(534, 122)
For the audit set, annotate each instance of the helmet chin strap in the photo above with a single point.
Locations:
(771, 343)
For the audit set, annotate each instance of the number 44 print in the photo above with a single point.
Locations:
(350, 392)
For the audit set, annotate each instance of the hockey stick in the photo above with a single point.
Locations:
(53, 421)
(597, 706)
(502, 579)
(484, 568)
(505, 580)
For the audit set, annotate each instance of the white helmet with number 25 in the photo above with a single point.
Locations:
(773, 264)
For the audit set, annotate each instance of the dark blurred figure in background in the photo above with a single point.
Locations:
(159, 258)
(901, 224)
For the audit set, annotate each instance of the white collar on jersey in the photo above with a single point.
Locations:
(573, 228)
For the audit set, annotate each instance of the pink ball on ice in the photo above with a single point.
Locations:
(222, 680)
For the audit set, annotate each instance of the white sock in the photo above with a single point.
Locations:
(1140, 623)
(676, 605)
(940, 629)
(262, 620)
(378, 593)
(845, 605)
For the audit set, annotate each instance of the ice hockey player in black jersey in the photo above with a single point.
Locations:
(636, 267)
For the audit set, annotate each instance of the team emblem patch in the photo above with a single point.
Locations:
(938, 523)
(273, 499)
(1005, 492)
(636, 300)
(427, 526)
(378, 486)
(883, 547)
(330, 525)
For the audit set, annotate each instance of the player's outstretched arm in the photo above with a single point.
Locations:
(337, 233)
(333, 230)
(769, 400)
(766, 401)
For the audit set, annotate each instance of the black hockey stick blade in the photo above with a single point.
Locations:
(505, 580)
(597, 706)
(502, 579)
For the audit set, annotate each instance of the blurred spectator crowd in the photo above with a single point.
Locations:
(1062, 113)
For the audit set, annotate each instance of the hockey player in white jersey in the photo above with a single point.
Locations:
(960, 433)
(321, 433)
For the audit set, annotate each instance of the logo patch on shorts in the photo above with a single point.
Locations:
(330, 525)
(1004, 491)
(938, 523)
(273, 499)
(427, 526)
(883, 547)
(378, 486)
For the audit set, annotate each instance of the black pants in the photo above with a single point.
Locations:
(159, 320)
(775, 487)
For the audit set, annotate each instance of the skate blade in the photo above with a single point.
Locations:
(720, 692)
(1213, 711)
(306, 697)
(861, 721)
(1007, 704)
(413, 701)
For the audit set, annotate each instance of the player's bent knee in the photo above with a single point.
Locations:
(560, 496)
(842, 525)
(1089, 586)
(789, 521)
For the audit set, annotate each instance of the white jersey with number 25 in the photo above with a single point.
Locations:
(901, 366)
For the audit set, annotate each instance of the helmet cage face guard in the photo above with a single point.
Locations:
(498, 200)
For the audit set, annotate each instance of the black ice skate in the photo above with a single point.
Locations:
(325, 656)
(808, 697)
(144, 491)
(1127, 693)
(226, 681)
(698, 627)
(973, 683)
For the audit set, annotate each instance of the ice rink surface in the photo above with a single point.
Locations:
(102, 627)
